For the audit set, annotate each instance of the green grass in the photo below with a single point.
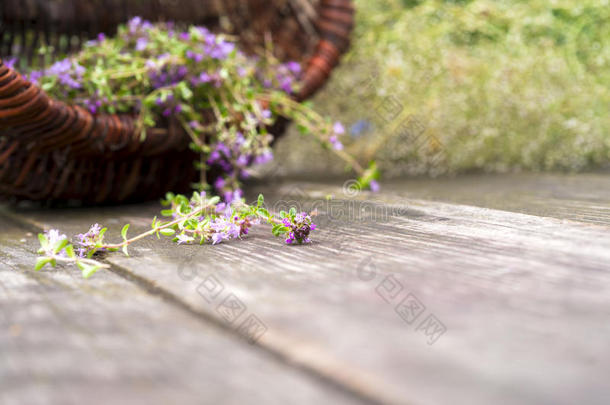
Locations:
(492, 85)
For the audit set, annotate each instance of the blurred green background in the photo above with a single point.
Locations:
(435, 87)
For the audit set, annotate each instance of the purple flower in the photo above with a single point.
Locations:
(267, 114)
(337, 145)
(141, 44)
(203, 31)
(294, 67)
(266, 157)
(101, 37)
(184, 36)
(224, 228)
(286, 84)
(182, 71)
(221, 147)
(35, 76)
(197, 57)
(219, 183)
(183, 238)
(88, 241)
(233, 230)
(338, 128)
(204, 78)
(214, 157)
(360, 127)
(230, 197)
(218, 237)
(137, 23)
(10, 63)
(67, 73)
(374, 186)
(299, 228)
(54, 237)
(242, 160)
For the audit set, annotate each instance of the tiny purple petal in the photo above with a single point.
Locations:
(338, 128)
(374, 186)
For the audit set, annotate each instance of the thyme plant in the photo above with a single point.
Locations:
(223, 98)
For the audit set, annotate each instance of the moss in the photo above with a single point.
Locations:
(497, 86)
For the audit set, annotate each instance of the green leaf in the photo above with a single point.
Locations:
(44, 242)
(41, 262)
(279, 229)
(293, 212)
(70, 251)
(125, 250)
(168, 232)
(261, 200)
(124, 231)
(60, 245)
(87, 269)
(185, 92)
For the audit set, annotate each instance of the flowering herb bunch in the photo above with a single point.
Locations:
(196, 220)
(224, 99)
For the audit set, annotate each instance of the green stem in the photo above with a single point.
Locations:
(157, 229)
(89, 262)
(314, 118)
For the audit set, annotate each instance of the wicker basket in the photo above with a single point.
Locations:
(52, 151)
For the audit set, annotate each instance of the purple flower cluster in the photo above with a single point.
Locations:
(338, 130)
(168, 75)
(138, 25)
(225, 224)
(169, 106)
(95, 103)
(299, 228)
(202, 63)
(53, 237)
(211, 46)
(88, 242)
(69, 74)
(234, 157)
(285, 77)
(10, 62)
(225, 228)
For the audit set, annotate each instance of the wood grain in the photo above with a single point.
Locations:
(525, 300)
(64, 340)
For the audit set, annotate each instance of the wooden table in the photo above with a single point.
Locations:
(473, 290)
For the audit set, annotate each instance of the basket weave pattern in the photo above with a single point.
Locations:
(50, 150)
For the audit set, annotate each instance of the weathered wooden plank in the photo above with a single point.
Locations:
(524, 300)
(578, 197)
(64, 340)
